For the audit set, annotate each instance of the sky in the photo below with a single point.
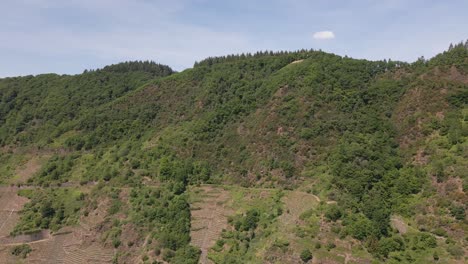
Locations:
(68, 36)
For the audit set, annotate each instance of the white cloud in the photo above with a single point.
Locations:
(324, 35)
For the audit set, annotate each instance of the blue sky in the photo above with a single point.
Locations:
(68, 36)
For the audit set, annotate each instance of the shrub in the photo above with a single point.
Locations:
(330, 246)
(440, 232)
(116, 242)
(458, 212)
(21, 250)
(306, 255)
(390, 244)
(187, 255)
(455, 251)
(167, 254)
(281, 243)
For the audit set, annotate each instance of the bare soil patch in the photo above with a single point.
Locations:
(399, 225)
(295, 204)
(27, 170)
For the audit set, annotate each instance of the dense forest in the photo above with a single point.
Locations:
(376, 139)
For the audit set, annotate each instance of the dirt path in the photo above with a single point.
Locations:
(5, 219)
(27, 238)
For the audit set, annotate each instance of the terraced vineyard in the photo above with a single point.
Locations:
(10, 205)
(68, 245)
(92, 254)
(209, 218)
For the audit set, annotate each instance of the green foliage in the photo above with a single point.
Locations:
(455, 251)
(458, 211)
(186, 255)
(248, 221)
(166, 213)
(306, 255)
(424, 241)
(248, 229)
(360, 227)
(37, 109)
(330, 246)
(459, 99)
(57, 170)
(333, 213)
(155, 69)
(390, 244)
(21, 250)
(455, 55)
(246, 119)
(113, 236)
(49, 209)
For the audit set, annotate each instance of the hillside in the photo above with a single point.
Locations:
(283, 157)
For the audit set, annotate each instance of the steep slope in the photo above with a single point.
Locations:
(382, 144)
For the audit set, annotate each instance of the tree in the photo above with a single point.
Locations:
(251, 219)
(333, 213)
(390, 244)
(360, 227)
(47, 210)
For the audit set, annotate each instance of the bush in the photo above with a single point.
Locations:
(306, 255)
(21, 250)
(281, 243)
(167, 255)
(390, 244)
(116, 242)
(458, 212)
(455, 251)
(440, 232)
(187, 255)
(427, 240)
(330, 246)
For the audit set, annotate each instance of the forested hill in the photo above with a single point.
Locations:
(377, 139)
(34, 109)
